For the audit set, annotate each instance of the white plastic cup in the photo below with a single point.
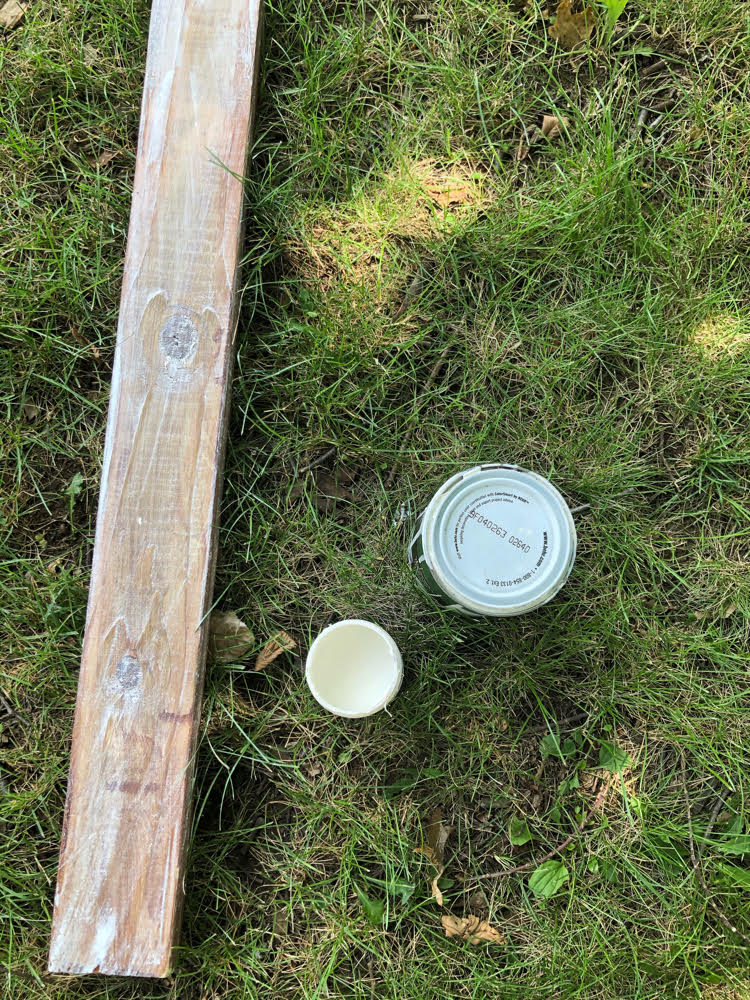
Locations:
(354, 668)
(496, 540)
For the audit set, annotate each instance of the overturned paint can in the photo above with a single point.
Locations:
(495, 540)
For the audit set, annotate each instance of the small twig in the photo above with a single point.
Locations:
(696, 863)
(654, 67)
(411, 293)
(636, 130)
(436, 369)
(583, 506)
(598, 803)
(567, 722)
(664, 105)
(328, 453)
(718, 805)
(610, 496)
(10, 712)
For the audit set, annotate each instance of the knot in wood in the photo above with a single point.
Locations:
(178, 338)
(128, 672)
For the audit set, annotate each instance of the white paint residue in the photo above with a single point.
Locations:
(158, 115)
(105, 934)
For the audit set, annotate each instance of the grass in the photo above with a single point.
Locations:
(593, 301)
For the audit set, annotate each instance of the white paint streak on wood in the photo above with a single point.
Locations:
(127, 813)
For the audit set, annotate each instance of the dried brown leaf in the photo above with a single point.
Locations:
(103, 159)
(471, 929)
(280, 643)
(280, 923)
(450, 193)
(11, 15)
(229, 639)
(344, 475)
(437, 837)
(478, 903)
(552, 126)
(572, 30)
(328, 486)
(91, 55)
(434, 850)
(436, 893)
(82, 342)
(31, 411)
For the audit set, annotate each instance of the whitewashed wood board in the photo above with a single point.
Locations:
(120, 879)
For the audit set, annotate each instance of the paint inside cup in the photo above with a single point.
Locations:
(354, 668)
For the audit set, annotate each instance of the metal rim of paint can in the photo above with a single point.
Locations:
(495, 540)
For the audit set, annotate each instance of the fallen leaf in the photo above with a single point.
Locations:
(437, 837)
(80, 339)
(328, 486)
(31, 412)
(471, 929)
(434, 849)
(11, 15)
(451, 193)
(103, 158)
(91, 55)
(548, 878)
(551, 129)
(436, 893)
(730, 610)
(280, 643)
(229, 639)
(552, 126)
(572, 30)
(280, 923)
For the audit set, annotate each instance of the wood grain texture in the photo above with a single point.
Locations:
(119, 886)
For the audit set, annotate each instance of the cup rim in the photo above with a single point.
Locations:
(396, 663)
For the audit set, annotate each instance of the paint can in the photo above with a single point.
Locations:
(496, 540)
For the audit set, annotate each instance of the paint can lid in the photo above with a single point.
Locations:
(499, 539)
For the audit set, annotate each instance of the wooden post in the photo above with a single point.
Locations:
(119, 885)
